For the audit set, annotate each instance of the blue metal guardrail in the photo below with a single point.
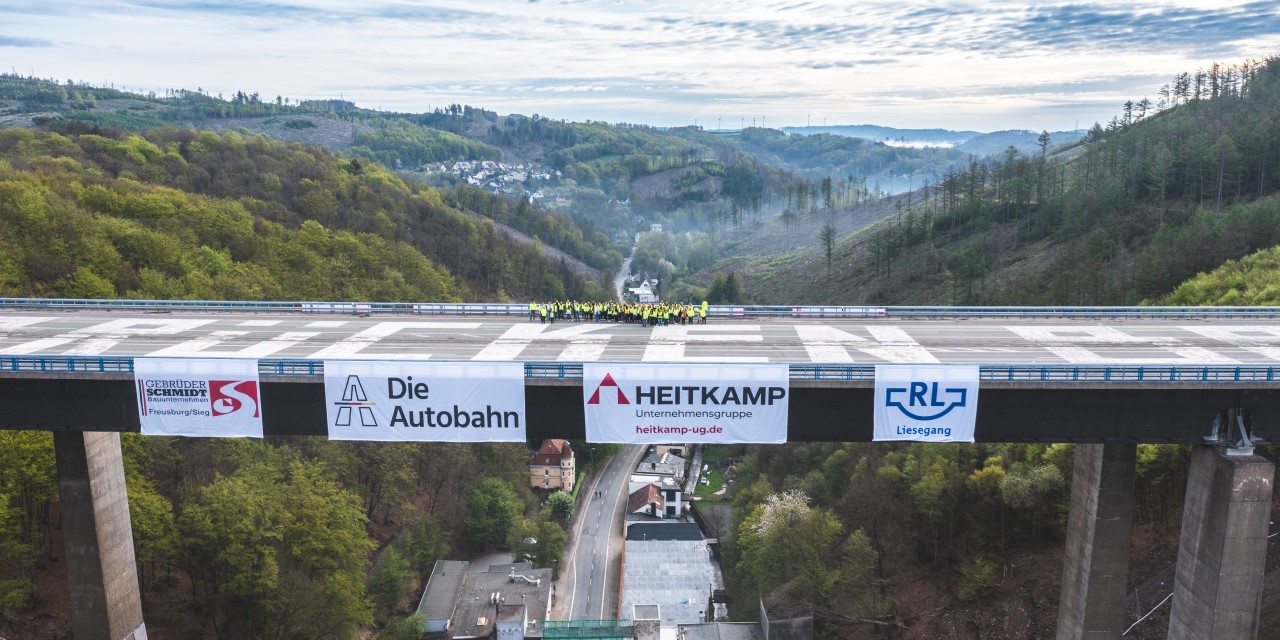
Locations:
(757, 311)
(1029, 373)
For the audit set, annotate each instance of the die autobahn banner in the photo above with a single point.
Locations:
(427, 401)
(691, 403)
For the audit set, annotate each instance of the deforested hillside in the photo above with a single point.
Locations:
(183, 214)
(1138, 206)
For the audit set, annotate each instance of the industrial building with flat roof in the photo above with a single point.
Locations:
(511, 601)
(667, 574)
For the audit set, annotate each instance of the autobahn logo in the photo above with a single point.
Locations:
(228, 397)
(608, 382)
(931, 403)
(354, 400)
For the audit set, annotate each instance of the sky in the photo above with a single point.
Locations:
(984, 66)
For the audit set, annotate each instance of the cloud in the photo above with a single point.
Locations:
(11, 41)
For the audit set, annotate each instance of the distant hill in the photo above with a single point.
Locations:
(970, 142)
(891, 135)
(1024, 141)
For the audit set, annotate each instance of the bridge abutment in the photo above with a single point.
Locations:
(97, 537)
(1223, 549)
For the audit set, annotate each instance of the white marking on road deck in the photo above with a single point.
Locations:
(8, 324)
(199, 346)
(1184, 356)
(259, 323)
(326, 324)
(581, 339)
(588, 349)
(1239, 335)
(357, 343)
(1060, 340)
(99, 338)
(828, 344)
(15, 323)
(666, 344)
(1067, 334)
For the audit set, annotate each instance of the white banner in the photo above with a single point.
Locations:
(932, 403)
(213, 398)
(398, 400)
(685, 403)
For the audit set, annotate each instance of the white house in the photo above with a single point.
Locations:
(671, 491)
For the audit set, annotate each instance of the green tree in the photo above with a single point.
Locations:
(389, 581)
(827, 238)
(785, 542)
(492, 510)
(561, 505)
(552, 539)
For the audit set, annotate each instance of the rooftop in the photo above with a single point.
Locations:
(514, 585)
(722, 631)
(643, 497)
(442, 590)
(675, 575)
(653, 531)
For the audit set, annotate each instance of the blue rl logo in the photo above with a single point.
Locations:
(916, 398)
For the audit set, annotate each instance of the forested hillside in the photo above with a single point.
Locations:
(1142, 204)
(302, 538)
(181, 214)
(918, 540)
(1253, 281)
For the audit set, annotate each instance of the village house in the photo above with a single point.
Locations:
(553, 466)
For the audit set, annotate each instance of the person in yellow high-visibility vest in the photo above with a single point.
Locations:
(702, 312)
(533, 311)
(542, 309)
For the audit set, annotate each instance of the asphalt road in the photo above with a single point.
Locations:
(791, 340)
(588, 589)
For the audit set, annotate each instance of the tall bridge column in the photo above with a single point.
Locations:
(98, 538)
(1095, 570)
(1223, 549)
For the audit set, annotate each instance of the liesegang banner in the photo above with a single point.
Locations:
(695, 403)
(426, 401)
(203, 397)
(931, 403)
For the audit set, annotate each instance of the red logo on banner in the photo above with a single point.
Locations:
(608, 382)
(233, 397)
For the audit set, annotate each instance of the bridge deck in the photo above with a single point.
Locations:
(992, 342)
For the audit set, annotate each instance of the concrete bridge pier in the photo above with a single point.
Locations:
(1095, 569)
(1223, 549)
(97, 537)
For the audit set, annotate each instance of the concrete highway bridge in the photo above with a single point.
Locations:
(1104, 378)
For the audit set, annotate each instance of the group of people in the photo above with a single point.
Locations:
(644, 314)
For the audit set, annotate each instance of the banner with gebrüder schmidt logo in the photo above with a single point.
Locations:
(199, 397)
(425, 401)
(685, 403)
(929, 403)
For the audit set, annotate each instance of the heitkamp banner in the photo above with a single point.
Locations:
(213, 398)
(931, 403)
(398, 400)
(708, 403)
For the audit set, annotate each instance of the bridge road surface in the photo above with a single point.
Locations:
(316, 336)
(591, 581)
